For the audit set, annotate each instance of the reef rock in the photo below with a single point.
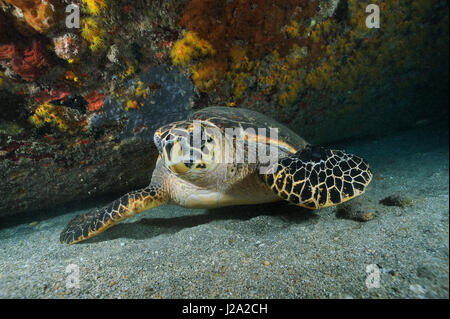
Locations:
(28, 62)
(91, 97)
(39, 15)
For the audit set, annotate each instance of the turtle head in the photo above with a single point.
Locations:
(187, 148)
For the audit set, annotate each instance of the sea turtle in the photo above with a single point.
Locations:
(208, 160)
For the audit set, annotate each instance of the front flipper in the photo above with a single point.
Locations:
(93, 223)
(317, 177)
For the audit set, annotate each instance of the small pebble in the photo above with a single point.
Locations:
(396, 200)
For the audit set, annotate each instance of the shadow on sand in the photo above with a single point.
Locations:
(152, 227)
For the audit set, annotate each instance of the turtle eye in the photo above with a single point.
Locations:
(179, 168)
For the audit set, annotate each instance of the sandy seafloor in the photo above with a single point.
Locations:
(263, 251)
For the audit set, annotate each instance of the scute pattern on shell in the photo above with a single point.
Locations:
(227, 117)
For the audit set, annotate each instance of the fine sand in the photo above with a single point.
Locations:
(262, 251)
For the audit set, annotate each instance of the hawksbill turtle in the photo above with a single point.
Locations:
(208, 160)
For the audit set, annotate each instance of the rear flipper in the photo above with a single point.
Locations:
(97, 221)
(317, 177)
